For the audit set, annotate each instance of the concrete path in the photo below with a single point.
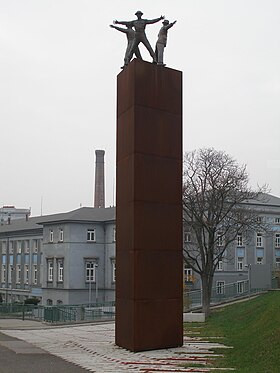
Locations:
(91, 347)
(23, 324)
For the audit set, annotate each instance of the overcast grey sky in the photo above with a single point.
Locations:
(58, 65)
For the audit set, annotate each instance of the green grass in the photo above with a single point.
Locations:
(252, 328)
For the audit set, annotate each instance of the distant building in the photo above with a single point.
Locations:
(20, 259)
(252, 260)
(62, 258)
(78, 256)
(9, 213)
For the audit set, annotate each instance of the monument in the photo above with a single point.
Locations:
(149, 281)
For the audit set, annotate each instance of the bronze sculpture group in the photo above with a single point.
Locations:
(135, 33)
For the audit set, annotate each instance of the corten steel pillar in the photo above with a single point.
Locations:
(99, 195)
(149, 306)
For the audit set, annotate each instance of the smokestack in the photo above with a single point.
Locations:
(99, 196)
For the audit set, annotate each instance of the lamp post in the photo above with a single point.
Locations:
(96, 282)
(89, 290)
(12, 268)
(95, 266)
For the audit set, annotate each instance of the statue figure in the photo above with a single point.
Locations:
(162, 40)
(130, 34)
(140, 37)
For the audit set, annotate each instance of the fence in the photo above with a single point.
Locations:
(221, 293)
(60, 313)
(106, 311)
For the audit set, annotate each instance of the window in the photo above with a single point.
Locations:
(220, 265)
(219, 239)
(277, 258)
(60, 270)
(91, 235)
(35, 274)
(61, 235)
(239, 240)
(19, 245)
(277, 220)
(113, 271)
(240, 252)
(50, 270)
(187, 237)
(240, 264)
(11, 248)
(260, 256)
(51, 235)
(26, 274)
(240, 287)
(3, 279)
(4, 247)
(220, 287)
(10, 271)
(259, 219)
(114, 234)
(188, 274)
(34, 258)
(35, 246)
(259, 240)
(18, 273)
(26, 246)
(90, 270)
(277, 240)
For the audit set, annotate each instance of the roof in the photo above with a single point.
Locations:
(21, 225)
(266, 200)
(85, 214)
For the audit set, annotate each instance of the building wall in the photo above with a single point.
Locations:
(75, 251)
(256, 269)
(20, 259)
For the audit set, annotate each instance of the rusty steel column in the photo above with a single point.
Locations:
(149, 305)
(99, 194)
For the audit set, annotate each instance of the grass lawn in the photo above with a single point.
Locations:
(252, 328)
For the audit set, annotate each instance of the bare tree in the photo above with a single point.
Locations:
(216, 206)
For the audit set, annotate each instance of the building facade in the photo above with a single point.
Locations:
(249, 260)
(20, 259)
(9, 213)
(78, 256)
(62, 258)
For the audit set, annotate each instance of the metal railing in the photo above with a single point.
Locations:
(60, 313)
(220, 294)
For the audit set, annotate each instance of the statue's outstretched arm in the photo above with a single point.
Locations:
(119, 28)
(125, 23)
(170, 25)
(150, 21)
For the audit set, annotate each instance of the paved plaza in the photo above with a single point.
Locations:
(92, 348)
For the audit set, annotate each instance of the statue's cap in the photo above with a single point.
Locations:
(138, 12)
(165, 22)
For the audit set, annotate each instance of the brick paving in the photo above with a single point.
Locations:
(93, 348)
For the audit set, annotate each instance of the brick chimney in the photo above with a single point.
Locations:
(99, 195)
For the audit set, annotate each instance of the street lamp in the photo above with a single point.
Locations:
(94, 266)
(96, 282)
(12, 268)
